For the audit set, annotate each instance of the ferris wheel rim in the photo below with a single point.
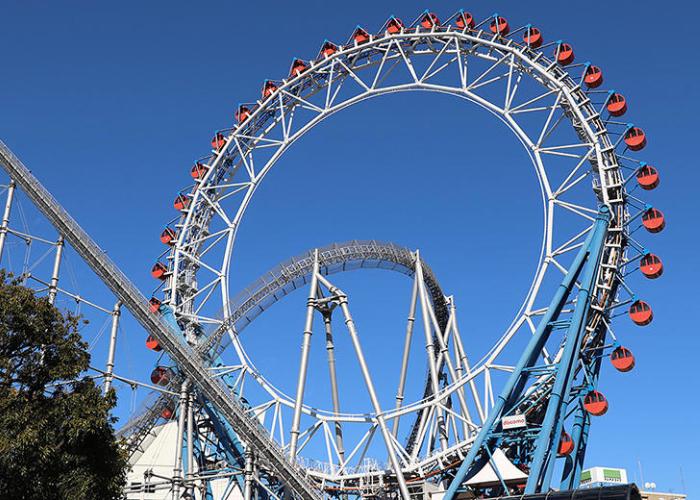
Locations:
(544, 73)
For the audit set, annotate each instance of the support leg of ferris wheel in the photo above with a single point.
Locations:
(514, 386)
(183, 355)
(548, 439)
(571, 476)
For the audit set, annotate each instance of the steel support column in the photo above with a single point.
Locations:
(304, 362)
(109, 372)
(548, 438)
(6, 215)
(518, 378)
(53, 285)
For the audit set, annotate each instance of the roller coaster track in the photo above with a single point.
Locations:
(187, 360)
(284, 279)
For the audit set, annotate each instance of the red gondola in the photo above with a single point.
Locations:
(153, 344)
(218, 142)
(564, 53)
(168, 236)
(651, 266)
(167, 413)
(595, 403)
(653, 220)
(593, 77)
(242, 114)
(635, 138)
(159, 270)
(394, 26)
(153, 304)
(160, 376)
(328, 49)
(622, 359)
(499, 26)
(181, 202)
(198, 171)
(429, 20)
(617, 104)
(648, 177)
(533, 37)
(464, 20)
(269, 88)
(298, 67)
(360, 36)
(566, 444)
(640, 312)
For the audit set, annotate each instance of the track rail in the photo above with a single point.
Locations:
(186, 359)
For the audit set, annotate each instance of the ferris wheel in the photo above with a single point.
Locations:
(555, 108)
(496, 422)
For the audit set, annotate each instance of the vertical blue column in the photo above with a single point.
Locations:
(548, 438)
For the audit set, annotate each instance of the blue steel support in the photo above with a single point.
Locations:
(208, 495)
(571, 477)
(231, 446)
(547, 441)
(518, 377)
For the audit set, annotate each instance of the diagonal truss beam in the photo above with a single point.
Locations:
(516, 383)
(135, 301)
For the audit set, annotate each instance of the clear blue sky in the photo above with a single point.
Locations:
(109, 103)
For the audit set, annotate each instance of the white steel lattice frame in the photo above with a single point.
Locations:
(233, 174)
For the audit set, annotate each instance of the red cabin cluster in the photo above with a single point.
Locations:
(635, 138)
(153, 344)
(640, 313)
(429, 20)
(595, 403)
(593, 78)
(653, 220)
(199, 170)
(328, 49)
(394, 26)
(617, 104)
(564, 53)
(651, 266)
(566, 444)
(154, 304)
(182, 202)
(499, 26)
(464, 20)
(533, 37)
(648, 177)
(360, 36)
(168, 236)
(269, 88)
(218, 142)
(161, 376)
(622, 359)
(167, 413)
(298, 67)
(159, 271)
(242, 114)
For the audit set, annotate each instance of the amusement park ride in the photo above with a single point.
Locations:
(465, 437)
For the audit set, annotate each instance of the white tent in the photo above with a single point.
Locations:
(487, 476)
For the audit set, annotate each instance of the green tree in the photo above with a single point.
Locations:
(56, 433)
